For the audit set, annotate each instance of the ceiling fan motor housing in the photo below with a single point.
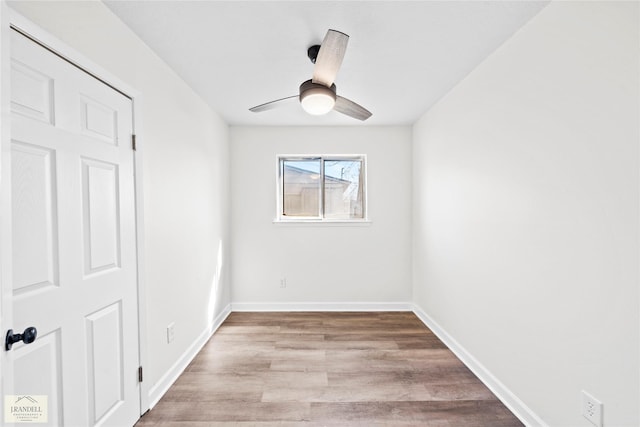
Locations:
(317, 99)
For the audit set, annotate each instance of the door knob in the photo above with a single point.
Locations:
(28, 336)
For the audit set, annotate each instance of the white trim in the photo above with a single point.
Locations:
(68, 53)
(6, 290)
(321, 306)
(138, 154)
(508, 398)
(166, 381)
(322, 222)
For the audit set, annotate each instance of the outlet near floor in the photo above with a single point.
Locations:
(592, 409)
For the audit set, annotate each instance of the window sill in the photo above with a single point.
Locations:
(323, 222)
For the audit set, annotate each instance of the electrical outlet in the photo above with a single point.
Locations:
(283, 282)
(170, 332)
(592, 409)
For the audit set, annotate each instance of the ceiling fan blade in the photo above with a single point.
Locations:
(273, 104)
(330, 57)
(351, 109)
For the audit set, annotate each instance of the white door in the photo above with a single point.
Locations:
(73, 238)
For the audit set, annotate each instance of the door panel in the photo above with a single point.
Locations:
(104, 350)
(100, 216)
(99, 120)
(35, 243)
(31, 92)
(74, 245)
(39, 368)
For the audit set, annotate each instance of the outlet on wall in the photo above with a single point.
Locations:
(283, 282)
(170, 332)
(592, 409)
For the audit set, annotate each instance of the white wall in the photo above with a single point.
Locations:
(526, 212)
(322, 263)
(185, 177)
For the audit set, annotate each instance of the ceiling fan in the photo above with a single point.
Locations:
(318, 96)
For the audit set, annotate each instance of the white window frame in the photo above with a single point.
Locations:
(280, 218)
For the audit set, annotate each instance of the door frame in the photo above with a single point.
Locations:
(8, 19)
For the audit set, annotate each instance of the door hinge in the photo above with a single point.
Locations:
(139, 374)
(133, 142)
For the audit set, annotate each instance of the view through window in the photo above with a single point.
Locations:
(322, 187)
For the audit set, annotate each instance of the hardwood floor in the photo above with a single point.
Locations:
(327, 369)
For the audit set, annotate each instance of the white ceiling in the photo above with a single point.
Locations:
(401, 58)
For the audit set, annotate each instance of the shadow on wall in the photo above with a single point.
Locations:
(215, 288)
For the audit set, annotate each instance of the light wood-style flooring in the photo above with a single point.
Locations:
(327, 369)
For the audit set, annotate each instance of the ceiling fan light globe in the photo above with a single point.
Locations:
(318, 101)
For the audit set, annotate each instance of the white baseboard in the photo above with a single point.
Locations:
(321, 306)
(162, 386)
(510, 400)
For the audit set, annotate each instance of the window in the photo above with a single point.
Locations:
(321, 188)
